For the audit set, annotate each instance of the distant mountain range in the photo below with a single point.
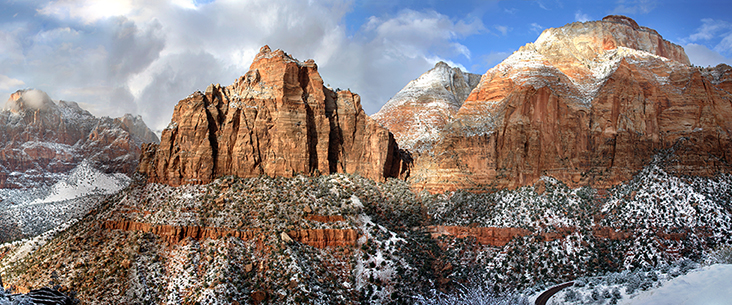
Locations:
(54, 155)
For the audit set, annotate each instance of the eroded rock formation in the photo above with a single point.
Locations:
(279, 120)
(175, 234)
(590, 104)
(321, 238)
(40, 138)
(493, 236)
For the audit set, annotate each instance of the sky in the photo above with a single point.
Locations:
(143, 56)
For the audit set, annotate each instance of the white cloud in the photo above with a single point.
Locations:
(389, 52)
(725, 46)
(710, 28)
(714, 33)
(503, 29)
(7, 83)
(143, 56)
(632, 7)
(88, 11)
(10, 48)
(579, 16)
(411, 32)
(700, 55)
(536, 28)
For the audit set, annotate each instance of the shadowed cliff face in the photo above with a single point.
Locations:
(590, 104)
(279, 120)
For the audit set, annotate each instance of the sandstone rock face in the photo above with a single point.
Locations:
(590, 104)
(175, 234)
(497, 237)
(322, 238)
(424, 106)
(40, 138)
(279, 120)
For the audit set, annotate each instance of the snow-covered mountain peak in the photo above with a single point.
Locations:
(426, 104)
(585, 41)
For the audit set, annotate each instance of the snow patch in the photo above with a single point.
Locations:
(707, 285)
(83, 181)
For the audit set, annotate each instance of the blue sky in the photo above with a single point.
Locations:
(142, 56)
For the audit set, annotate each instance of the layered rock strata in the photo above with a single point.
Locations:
(319, 238)
(499, 237)
(279, 120)
(590, 104)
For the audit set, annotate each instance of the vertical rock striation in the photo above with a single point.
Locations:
(279, 120)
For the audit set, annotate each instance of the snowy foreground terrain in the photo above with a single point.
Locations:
(27, 213)
(241, 240)
(669, 285)
(708, 285)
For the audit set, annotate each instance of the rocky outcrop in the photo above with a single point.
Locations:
(322, 238)
(497, 237)
(175, 234)
(590, 104)
(423, 107)
(40, 138)
(325, 218)
(279, 120)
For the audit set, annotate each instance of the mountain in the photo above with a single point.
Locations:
(276, 189)
(57, 160)
(589, 104)
(346, 239)
(279, 120)
(40, 139)
(424, 106)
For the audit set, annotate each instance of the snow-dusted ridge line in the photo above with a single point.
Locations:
(83, 181)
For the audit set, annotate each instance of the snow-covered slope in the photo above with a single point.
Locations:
(85, 180)
(424, 106)
(26, 213)
(683, 283)
(55, 157)
(708, 285)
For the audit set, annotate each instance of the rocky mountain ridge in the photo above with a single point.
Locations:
(424, 106)
(590, 104)
(278, 119)
(57, 161)
(40, 139)
(347, 238)
(598, 156)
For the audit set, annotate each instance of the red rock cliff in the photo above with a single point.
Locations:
(278, 119)
(590, 104)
